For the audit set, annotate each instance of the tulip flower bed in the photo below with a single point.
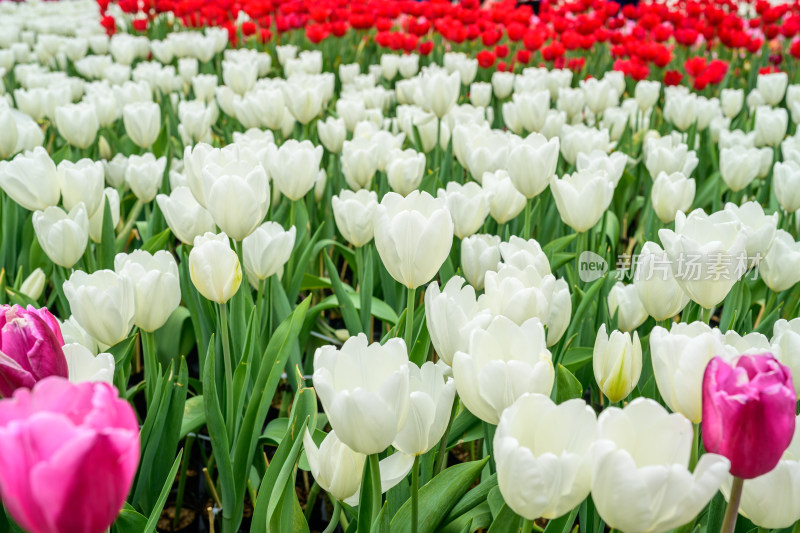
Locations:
(396, 266)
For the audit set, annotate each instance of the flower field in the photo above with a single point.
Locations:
(390, 266)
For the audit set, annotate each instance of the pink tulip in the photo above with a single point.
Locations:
(748, 412)
(30, 347)
(69, 456)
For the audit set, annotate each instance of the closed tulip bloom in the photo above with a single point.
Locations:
(748, 412)
(542, 451)
(679, 357)
(31, 180)
(570, 101)
(665, 155)
(612, 164)
(502, 84)
(332, 134)
(404, 170)
(731, 101)
(85, 366)
(758, 227)
(8, 133)
(336, 468)
(96, 220)
(142, 122)
(81, 182)
(359, 162)
(304, 100)
(640, 475)
(240, 76)
(63, 236)
(672, 193)
(144, 175)
(33, 285)
(786, 184)
(451, 314)
(770, 125)
(582, 198)
(294, 167)
(468, 205)
(522, 253)
(413, 262)
(480, 253)
(772, 501)
(364, 390)
(532, 163)
(532, 108)
(716, 246)
(267, 249)
(439, 91)
(156, 285)
(739, 166)
(115, 169)
(431, 397)
(185, 217)
(505, 201)
(617, 363)
(647, 93)
(623, 300)
(772, 87)
(214, 267)
(30, 347)
(79, 444)
(354, 213)
(655, 284)
(351, 110)
(103, 303)
(503, 362)
(77, 123)
(408, 65)
(786, 346)
(238, 197)
(480, 94)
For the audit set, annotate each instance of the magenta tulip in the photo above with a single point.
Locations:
(748, 412)
(69, 456)
(30, 347)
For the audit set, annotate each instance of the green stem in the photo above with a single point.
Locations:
(337, 510)
(150, 364)
(441, 455)
(706, 314)
(182, 480)
(122, 236)
(226, 355)
(488, 434)
(415, 495)
(732, 512)
(527, 525)
(526, 228)
(312, 500)
(695, 447)
(409, 331)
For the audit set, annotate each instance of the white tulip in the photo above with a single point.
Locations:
(214, 267)
(617, 363)
(63, 236)
(672, 193)
(468, 205)
(142, 122)
(267, 249)
(655, 283)
(582, 198)
(480, 254)
(405, 170)
(144, 174)
(103, 303)
(354, 215)
(778, 267)
(624, 301)
(81, 182)
(31, 180)
(505, 201)
(84, 366)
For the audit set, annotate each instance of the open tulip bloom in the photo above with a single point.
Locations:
(420, 266)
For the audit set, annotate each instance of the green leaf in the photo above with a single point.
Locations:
(155, 514)
(473, 498)
(156, 242)
(476, 518)
(106, 249)
(567, 385)
(130, 520)
(194, 415)
(506, 521)
(562, 524)
(557, 245)
(348, 308)
(575, 358)
(438, 496)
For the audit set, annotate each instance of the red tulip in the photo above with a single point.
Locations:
(748, 412)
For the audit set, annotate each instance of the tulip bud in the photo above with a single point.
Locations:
(332, 133)
(408, 65)
(731, 101)
(480, 94)
(73, 433)
(739, 166)
(503, 362)
(424, 217)
(156, 284)
(239, 75)
(502, 84)
(214, 267)
(655, 284)
(85, 366)
(748, 412)
(103, 303)
(8, 133)
(480, 254)
(672, 193)
(267, 249)
(77, 123)
(545, 477)
(665, 155)
(532, 162)
(81, 182)
(354, 215)
(335, 467)
(294, 167)
(404, 170)
(623, 300)
(786, 184)
(359, 162)
(468, 205)
(505, 201)
(31, 180)
(238, 196)
(142, 122)
(647, 93)
(617, 363)
(31, 348)
(379, 394)
(33, 285)
(63, 236)
(770, 125)
(582, 198)
(772, 87)
(185, 217)
(439, 91)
